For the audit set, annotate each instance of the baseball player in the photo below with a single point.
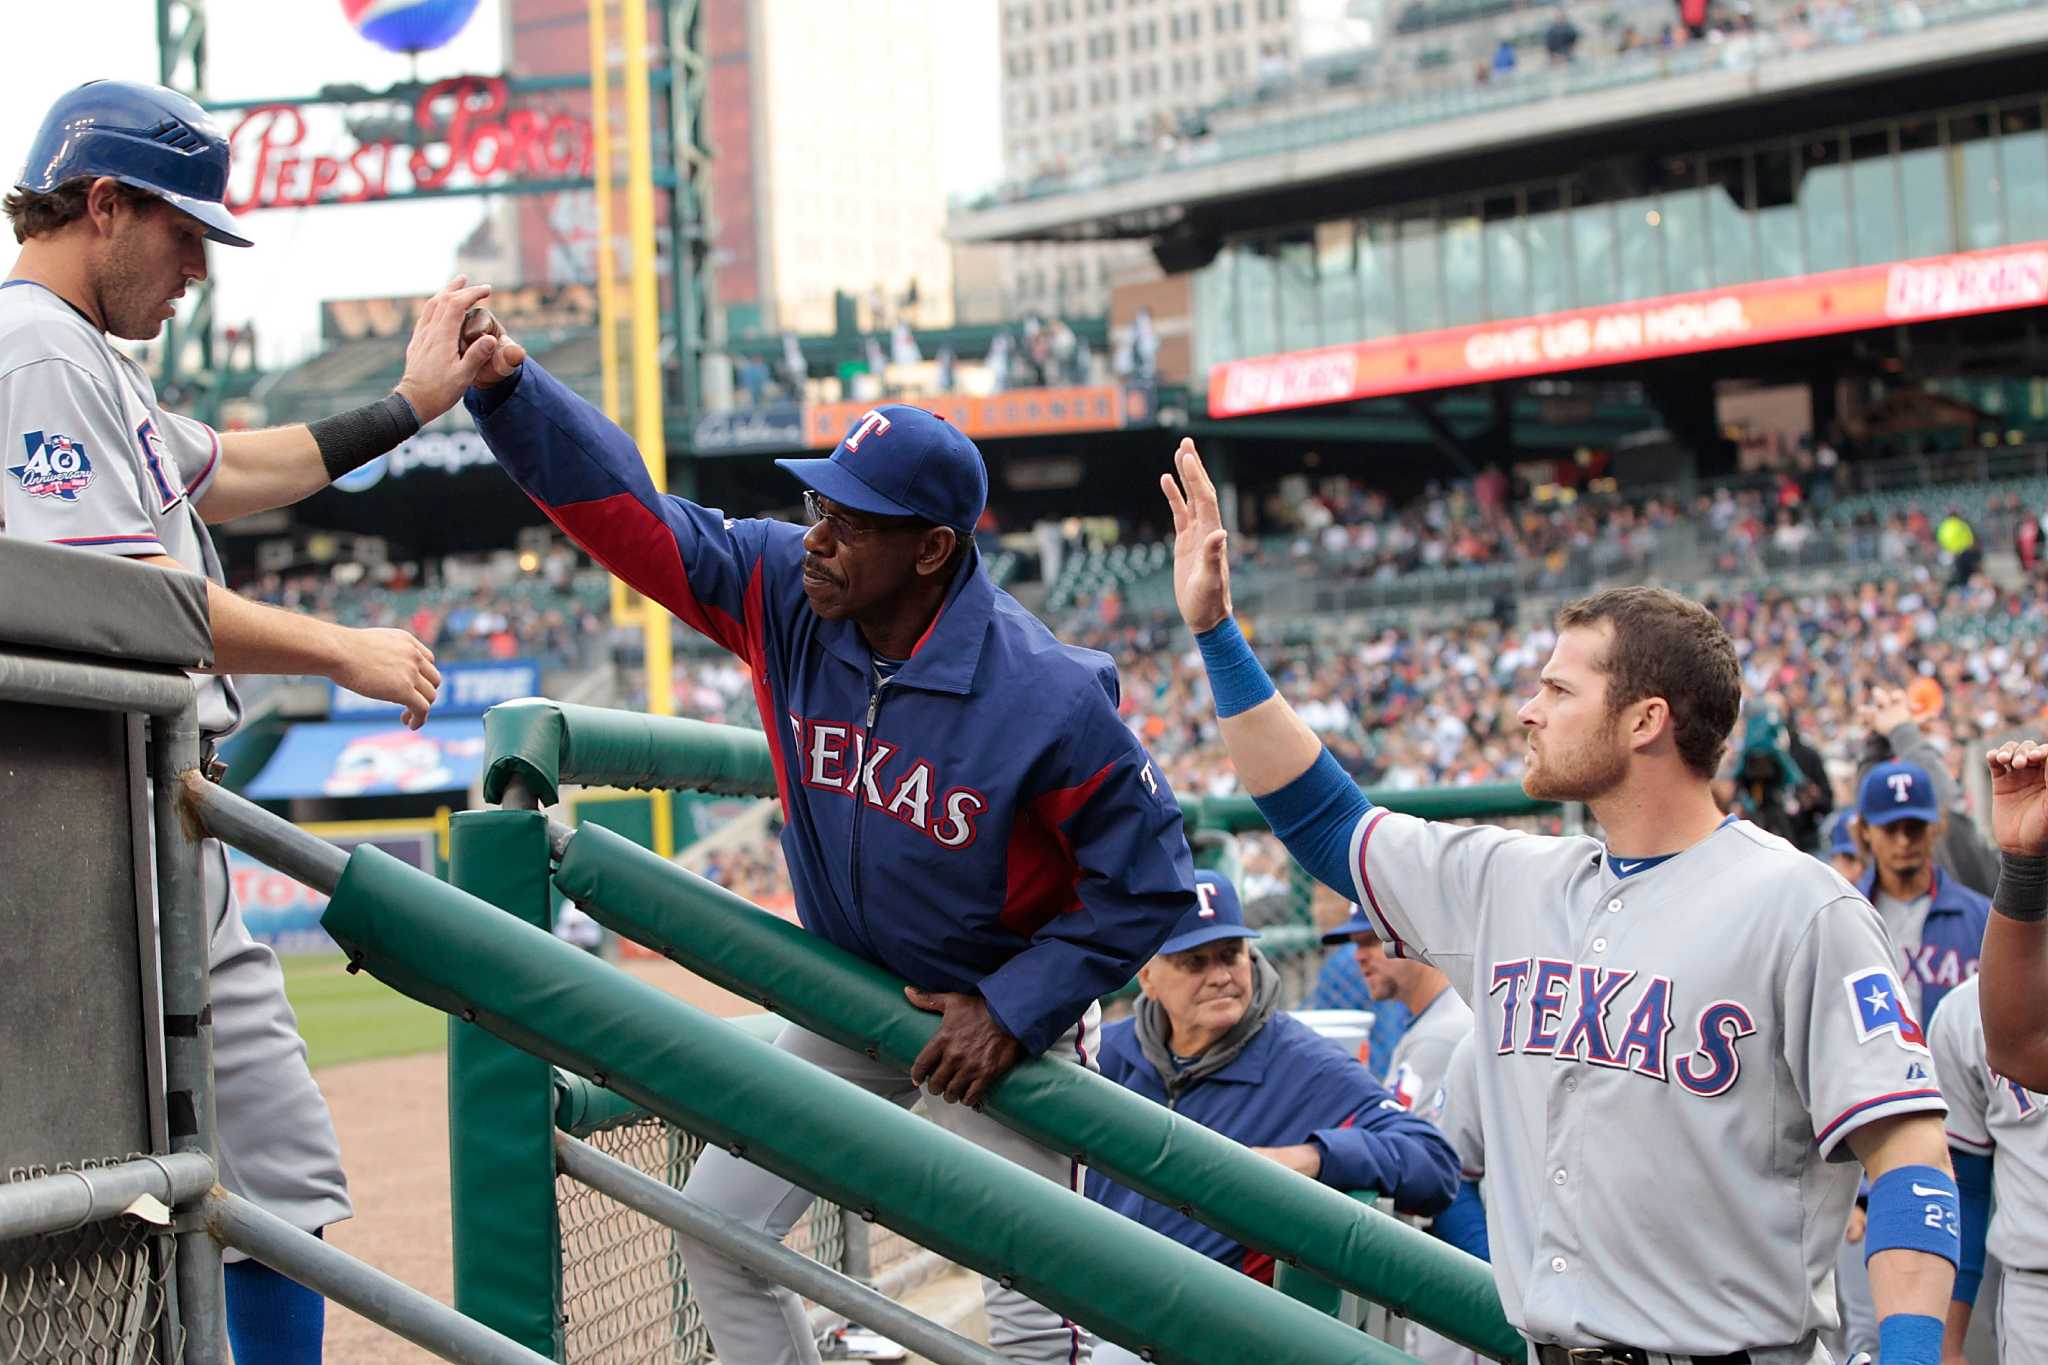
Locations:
(1209, 1041)
(1935, 921)
(121, 193)
(964, 806)
(1689, 1030)
(2014, 996)
(1454, 1110)
(1838, 842)
(1998, 1133)
(1438, 1019)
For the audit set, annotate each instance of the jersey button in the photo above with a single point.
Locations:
(1557, 1264)
(1599, 945)
(1571, 1083)
(1613, 906)
(1557, 1177)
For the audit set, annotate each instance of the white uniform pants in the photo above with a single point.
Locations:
(2023, 1317)
(755, 1322)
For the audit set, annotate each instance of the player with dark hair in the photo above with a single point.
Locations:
(965, 807)
(1687, 1029)
(120, 196)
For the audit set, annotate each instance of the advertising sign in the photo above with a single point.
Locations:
(1016, 412)
(772, 426)
(466, 690)
(285, 913)
(1741, 315)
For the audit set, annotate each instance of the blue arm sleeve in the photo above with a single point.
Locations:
(1314, 816)
(1973, 1182)
(1463, 1224)
(1388, 1150)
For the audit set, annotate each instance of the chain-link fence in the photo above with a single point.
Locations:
(625, 1297)
(95, 1295)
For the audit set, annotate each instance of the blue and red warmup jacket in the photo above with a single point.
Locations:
(1290, 1085)
(1951, 940)
(981, 822)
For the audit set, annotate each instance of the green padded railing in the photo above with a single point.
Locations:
(461, 955)
(540, 741)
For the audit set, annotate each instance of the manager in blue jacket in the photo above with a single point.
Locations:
(964, 807)
(1209, 1041)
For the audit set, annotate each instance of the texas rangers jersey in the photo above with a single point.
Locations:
(1454, 1109)
(1998, 1118)
(90, 460)
(1415, 1073)
(1665, 1066)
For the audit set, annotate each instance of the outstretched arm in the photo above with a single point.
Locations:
(2014, 991)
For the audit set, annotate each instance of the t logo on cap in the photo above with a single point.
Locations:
(871, 422)
(1901, 785)
(1206, 892)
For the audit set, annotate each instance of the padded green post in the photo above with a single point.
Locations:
(1125, 1281)
(546, 743)
(1133, 1141)
(501, 1101)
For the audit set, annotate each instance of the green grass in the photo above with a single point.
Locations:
(346, 1018)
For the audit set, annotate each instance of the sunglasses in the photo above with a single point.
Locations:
(817, 508)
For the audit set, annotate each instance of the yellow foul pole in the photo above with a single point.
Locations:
(647, 426)
(607, 257)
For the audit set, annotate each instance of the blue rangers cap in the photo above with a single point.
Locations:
(1216, 915)
(1359, 923)
(1840, 835)
(901, 461)
(1897, 791)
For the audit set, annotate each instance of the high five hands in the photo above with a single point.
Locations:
(1201, 547)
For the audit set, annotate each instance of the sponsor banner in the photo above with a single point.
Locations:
(371, 758)
(444, 452)
(466, 690)
(1016, 412)
(772, 426)
(1717, 319)
(285, 913)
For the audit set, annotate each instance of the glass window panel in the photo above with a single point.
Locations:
(1975, 162)
(1507, 266)
(1874, 225)
(1337, 294)
(1376, 276)
(1464, 266)
(1593, 253)
(1685, 240)
(1731, 229)
(1215, 335)
(1775, 183)
(1641, 224)
(1550, 275)
(1257, 301)
(1421, 303)
(1824, 201)
(1924, 190)
(2023, 146)
(1294, 274)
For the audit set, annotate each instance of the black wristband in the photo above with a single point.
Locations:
(349, 440)
(2022, 892)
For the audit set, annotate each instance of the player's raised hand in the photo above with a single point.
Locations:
(1885, 710)
(390, 665)
(478, 323)
(2019, 797)
(437, 370)
(1201, 547)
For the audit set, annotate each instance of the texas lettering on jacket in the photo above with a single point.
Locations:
(837, 757)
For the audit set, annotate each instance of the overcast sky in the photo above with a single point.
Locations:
(261, 48)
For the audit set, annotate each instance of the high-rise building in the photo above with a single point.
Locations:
(1083, 79)
(825, 180)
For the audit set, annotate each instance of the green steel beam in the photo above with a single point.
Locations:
(1124, 1281)
(1141, 1145)
(501, 1111)
(1488, 802)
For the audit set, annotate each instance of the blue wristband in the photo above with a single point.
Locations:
(1915, 1208)
(1236, 679)
(1909, 1339)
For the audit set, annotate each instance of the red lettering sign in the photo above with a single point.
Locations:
(465, 133)
(1741, 315)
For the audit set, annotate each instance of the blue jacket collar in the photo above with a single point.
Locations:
(1248, 1067)
(1945, 901)
(946, 659)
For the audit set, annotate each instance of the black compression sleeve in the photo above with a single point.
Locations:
(2022, 892)
(349, 440)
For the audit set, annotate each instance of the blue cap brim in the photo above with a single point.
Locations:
(1198, 937)
(1357, 924)
(843, 488)
(221, 225)
(1891, 815)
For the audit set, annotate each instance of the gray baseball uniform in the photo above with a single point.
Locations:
(1454, 1109)
(1992, 1116)
(1449, 1105)
(1415, 1073)
(1668, 1063)
(92, 461)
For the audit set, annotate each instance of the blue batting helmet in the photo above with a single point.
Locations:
(156, 140)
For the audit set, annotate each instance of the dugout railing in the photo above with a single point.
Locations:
(111, 1224)
(1328, 1244)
